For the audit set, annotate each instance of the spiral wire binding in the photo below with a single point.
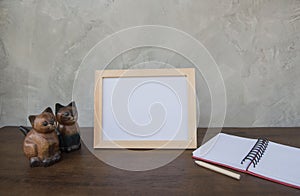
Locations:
(256, 152)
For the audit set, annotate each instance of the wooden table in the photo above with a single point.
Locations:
(80, 173)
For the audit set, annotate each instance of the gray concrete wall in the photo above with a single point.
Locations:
(256, 45)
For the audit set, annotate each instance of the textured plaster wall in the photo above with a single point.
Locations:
(256, 45)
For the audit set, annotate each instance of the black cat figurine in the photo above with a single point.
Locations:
(67, 128)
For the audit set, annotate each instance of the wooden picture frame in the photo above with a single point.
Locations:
(112, 91)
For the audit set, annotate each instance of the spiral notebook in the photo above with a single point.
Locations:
(259, 157)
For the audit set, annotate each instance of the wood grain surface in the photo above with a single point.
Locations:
(80, 173)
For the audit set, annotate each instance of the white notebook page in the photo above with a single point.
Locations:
(226, 149)
(279, 162)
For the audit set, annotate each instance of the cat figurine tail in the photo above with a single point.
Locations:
(41, 144)
(67, 129)
(24, 130)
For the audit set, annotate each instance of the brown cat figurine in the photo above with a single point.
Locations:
(41, 144)
(68, 129)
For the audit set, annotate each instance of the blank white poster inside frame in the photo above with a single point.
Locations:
(145, 108)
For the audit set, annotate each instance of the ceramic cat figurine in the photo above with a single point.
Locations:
(68, 129)
(41, 144)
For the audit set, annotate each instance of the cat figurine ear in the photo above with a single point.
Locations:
(57, 107)
(72, 104)
(31, 119)
(48, 109)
